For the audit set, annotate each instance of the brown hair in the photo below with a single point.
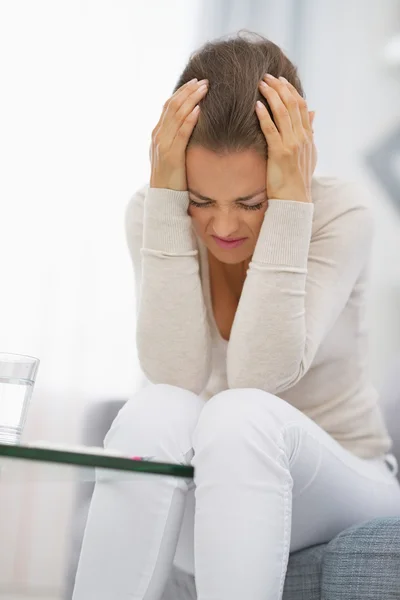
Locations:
(234, 68)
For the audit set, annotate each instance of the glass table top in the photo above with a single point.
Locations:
(45, 495)
(33, 461)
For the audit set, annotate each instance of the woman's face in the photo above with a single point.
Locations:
(228, 200)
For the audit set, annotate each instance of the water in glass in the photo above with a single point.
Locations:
(14, 400)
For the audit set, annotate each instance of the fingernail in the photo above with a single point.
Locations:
(264, 84)
(203, 81)
(269, 76)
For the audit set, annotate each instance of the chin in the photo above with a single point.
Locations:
(230, 257)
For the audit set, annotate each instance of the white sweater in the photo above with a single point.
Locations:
(299, 331)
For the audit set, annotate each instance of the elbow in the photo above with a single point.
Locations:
(267, 384)
(156, 377)
(174, 374)
(273, 381)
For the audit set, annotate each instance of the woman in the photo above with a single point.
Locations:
(251, 281)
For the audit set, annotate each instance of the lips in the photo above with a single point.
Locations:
(228, 244)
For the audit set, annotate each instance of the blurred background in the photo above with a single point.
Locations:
(83, 83)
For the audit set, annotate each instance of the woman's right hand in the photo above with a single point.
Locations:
(171, 136)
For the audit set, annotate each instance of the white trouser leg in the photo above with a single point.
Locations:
(133, 524)
(269, 481)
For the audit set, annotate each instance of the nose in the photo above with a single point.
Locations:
(225, 225)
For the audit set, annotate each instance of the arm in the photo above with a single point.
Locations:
(296, 288)
(172, 333)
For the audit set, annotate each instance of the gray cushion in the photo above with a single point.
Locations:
(363, 562)
(303, 576)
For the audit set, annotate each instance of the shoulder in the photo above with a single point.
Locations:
(135, 205)
(134, 212)
(341, 203)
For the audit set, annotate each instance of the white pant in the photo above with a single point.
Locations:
(268, 480)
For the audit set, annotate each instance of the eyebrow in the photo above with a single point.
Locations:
(240, 199)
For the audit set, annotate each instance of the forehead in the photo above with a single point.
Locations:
(224, 176)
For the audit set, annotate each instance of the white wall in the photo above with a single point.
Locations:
(357, 99)
(82, 86)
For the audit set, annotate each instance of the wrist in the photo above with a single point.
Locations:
(285, 234)
(291, 194)
(168, 183)
(167, 225)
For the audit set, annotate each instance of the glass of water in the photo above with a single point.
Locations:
(17, 378)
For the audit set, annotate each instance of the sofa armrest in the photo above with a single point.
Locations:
(390, 401)
(97, 420)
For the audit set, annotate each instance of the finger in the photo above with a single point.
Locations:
(190, 102)
(305, 117)
(268, 127)
(179, 107)
(170, 119)
(280, 112)
(290, 101)
(176, 100)
(184, 132)
(181, 92)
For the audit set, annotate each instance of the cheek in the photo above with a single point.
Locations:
(199, 218)
(254, 220)
(247, 220)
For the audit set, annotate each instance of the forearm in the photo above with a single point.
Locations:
(173, 339)
(267, 347)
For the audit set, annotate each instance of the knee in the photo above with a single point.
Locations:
(240, 414)
(151, 416)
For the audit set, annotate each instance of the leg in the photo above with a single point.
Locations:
(133, 523)
(255, 458)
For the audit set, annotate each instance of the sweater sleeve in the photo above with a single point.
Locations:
(172, 333)
(296, 286)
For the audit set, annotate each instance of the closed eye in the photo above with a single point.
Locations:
(238, 204)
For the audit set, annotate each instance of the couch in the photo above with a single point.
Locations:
(361, 563)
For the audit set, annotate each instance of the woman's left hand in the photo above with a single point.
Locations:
(292, 154)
